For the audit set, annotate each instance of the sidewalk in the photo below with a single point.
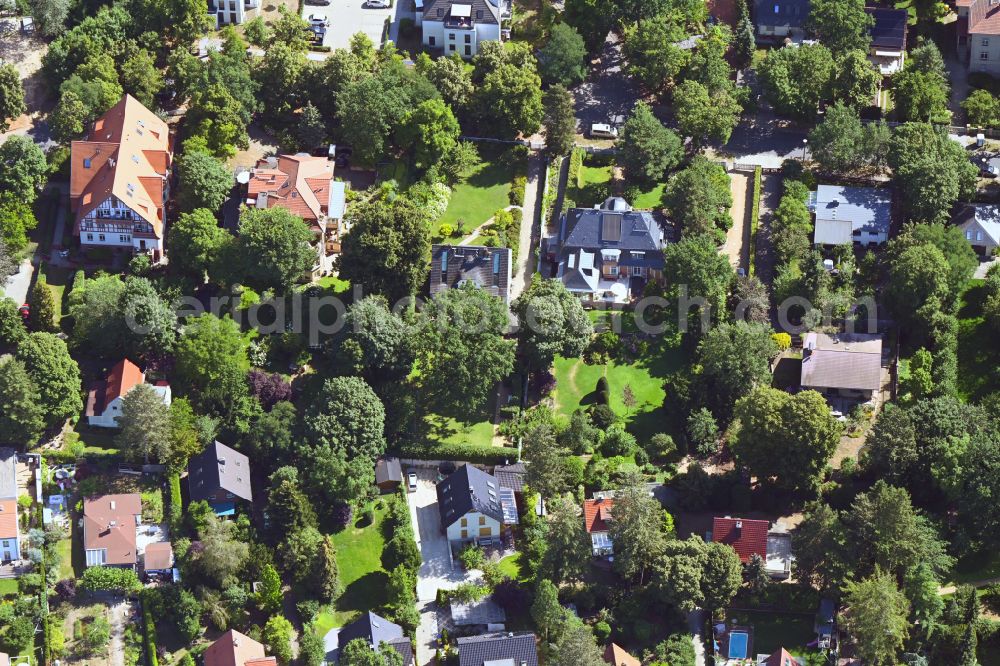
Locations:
(530, 232)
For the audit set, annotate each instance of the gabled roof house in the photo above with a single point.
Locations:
(109, 530)
(845, 365)
(980, 224)
(508, 649)
(978, 33)
(888, 33)
(780, 19)
(388, 473)
(10, 533)
(616, 655)
(303, 184)
(597, 522)
(220, 475)
(607, 253)
(375, 630)
(754, 537)
(104, 400)
(119, 179)
(488, 268)
(470, 505)
(236, 649)
(460, 26)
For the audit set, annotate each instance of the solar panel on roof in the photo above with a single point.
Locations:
(611, 226)
(509, 506)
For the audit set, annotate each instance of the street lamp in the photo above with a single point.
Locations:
(805, 144)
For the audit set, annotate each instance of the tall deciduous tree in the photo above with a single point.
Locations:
(212, 362)
(11, 96)
(647, 149)
(204, 180)
(857, 80)
(797, 79)
(562, 59)
(22, 167)
(931, 170)
(698, 198)
(654, 57)
(576, 646)
(568, 545)
(272, 250)
(704, 116)
(16, 220)
(195, 242)
(461, 349)
(387, 247)
(735, 358)
(785, 439)
(548, 615)
(842, 25)
(57, 376)
(636, 530)
(722, 577)
(553, 322)
(431, 130)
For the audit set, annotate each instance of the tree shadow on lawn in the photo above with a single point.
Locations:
(499, 166)
(977, 353)
(365, 593)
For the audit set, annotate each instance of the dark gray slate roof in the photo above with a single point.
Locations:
(791, 13)
(388, 469)
(516, 649)
(219, 467)
(8, 474)
(471, 263)
(468, 489)
(889, 29)
(376, 630)
(511, 476)
(865, 208)
(485, 611)
(483, 11)
(595, 229)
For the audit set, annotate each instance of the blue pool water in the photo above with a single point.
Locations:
(738, 645)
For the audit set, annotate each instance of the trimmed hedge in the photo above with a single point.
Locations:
(517, 188)
(754, 219)
(175, 510)
(149, 636)
(576, 168)
(463, 452)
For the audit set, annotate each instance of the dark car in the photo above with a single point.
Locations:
(320, 3)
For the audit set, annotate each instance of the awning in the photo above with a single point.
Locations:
(888, 54)
(461, 11)
(611, 254)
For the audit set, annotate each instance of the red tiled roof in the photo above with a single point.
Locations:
(616, 655)
(724, 10)
(109, 523)
(984, 17)
(745, 536)
(123, 377)
(235, 649)
(297, 183)
(8, 519)
(596, 514)
(781, 658)
(158, 556)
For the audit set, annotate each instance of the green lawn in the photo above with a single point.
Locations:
(595, 186)
(468, 427)
(511, 567)
(362, 578)
(485, 191)
(576, 384)
(776, 630)
(8, 587)
(651, 198)
(978, 355)
(65, 551)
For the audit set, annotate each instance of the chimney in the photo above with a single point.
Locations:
(112, 505)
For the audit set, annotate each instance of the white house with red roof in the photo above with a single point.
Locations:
(109, 530)
(978, 34)
(104, 400)
(750, 537)
(236, 649)
(119, 181)
(10, 534)
(303, 185)
(597, 521)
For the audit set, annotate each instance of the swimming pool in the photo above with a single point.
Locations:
(738, 644)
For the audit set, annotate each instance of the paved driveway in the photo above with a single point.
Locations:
(608, 94)
(349, 17)
(16, 285)
(436, 569)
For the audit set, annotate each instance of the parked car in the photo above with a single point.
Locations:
(603, 131)
(320, 3)
(411, 480)
(319, 20)
(377, 4)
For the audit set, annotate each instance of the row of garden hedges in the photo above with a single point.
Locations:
(486, 455)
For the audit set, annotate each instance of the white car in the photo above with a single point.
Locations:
(377, 4)
(319, 21)
(411, 480)
(603, 131)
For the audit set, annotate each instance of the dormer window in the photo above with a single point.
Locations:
(86, 162)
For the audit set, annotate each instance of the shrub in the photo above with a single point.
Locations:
(602, 631)
(783, 340)
(602, 416)
(472, 557)
(545, 382)
(106, 579)
(618, 442)
(342, 514)
(446, 230)
(602, 384)
(150, 637)
(703, 432)
(576, 167)
(661, 445)
(641, 458)
(175, 510)
(485, 455)
(517, 190)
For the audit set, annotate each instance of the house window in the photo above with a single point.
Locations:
(6, 544)
(430, 41)
(468, 39)
(444, 265)
(123, 239)
(465, 522)
(468, 50)
(637, 270)
(983, 55)
(986, 42)
(440, 11)
(465, 534)
(479, 14)
(485, 532)
(968, 234)
(451, 47)
(451, 36)
(482, 520)
(90, 237)
(979, 235)
(100, 237)
(86, 162)
(613, 270)
(496, 262)
(777, 9)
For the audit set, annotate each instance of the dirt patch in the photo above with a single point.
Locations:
(25, 53)
(74, 626)
(737, 247)
(269, 9)
(261, 145)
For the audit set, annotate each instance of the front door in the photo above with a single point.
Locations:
(142, 245)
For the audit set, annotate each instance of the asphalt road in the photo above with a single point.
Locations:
(348, 17)
(608, 91)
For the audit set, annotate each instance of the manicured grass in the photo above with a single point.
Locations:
(576, 384)
(650, 199)
(8, 587)
(775, 630)
(511, 566)
(594, 185)
(485, 191)
(333, 283)
(64, 549)
(362, 578)
(978, 355)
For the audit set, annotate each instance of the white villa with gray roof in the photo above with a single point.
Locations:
(980, 224)
(851, 215)
(607, 253)
(460, 26)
